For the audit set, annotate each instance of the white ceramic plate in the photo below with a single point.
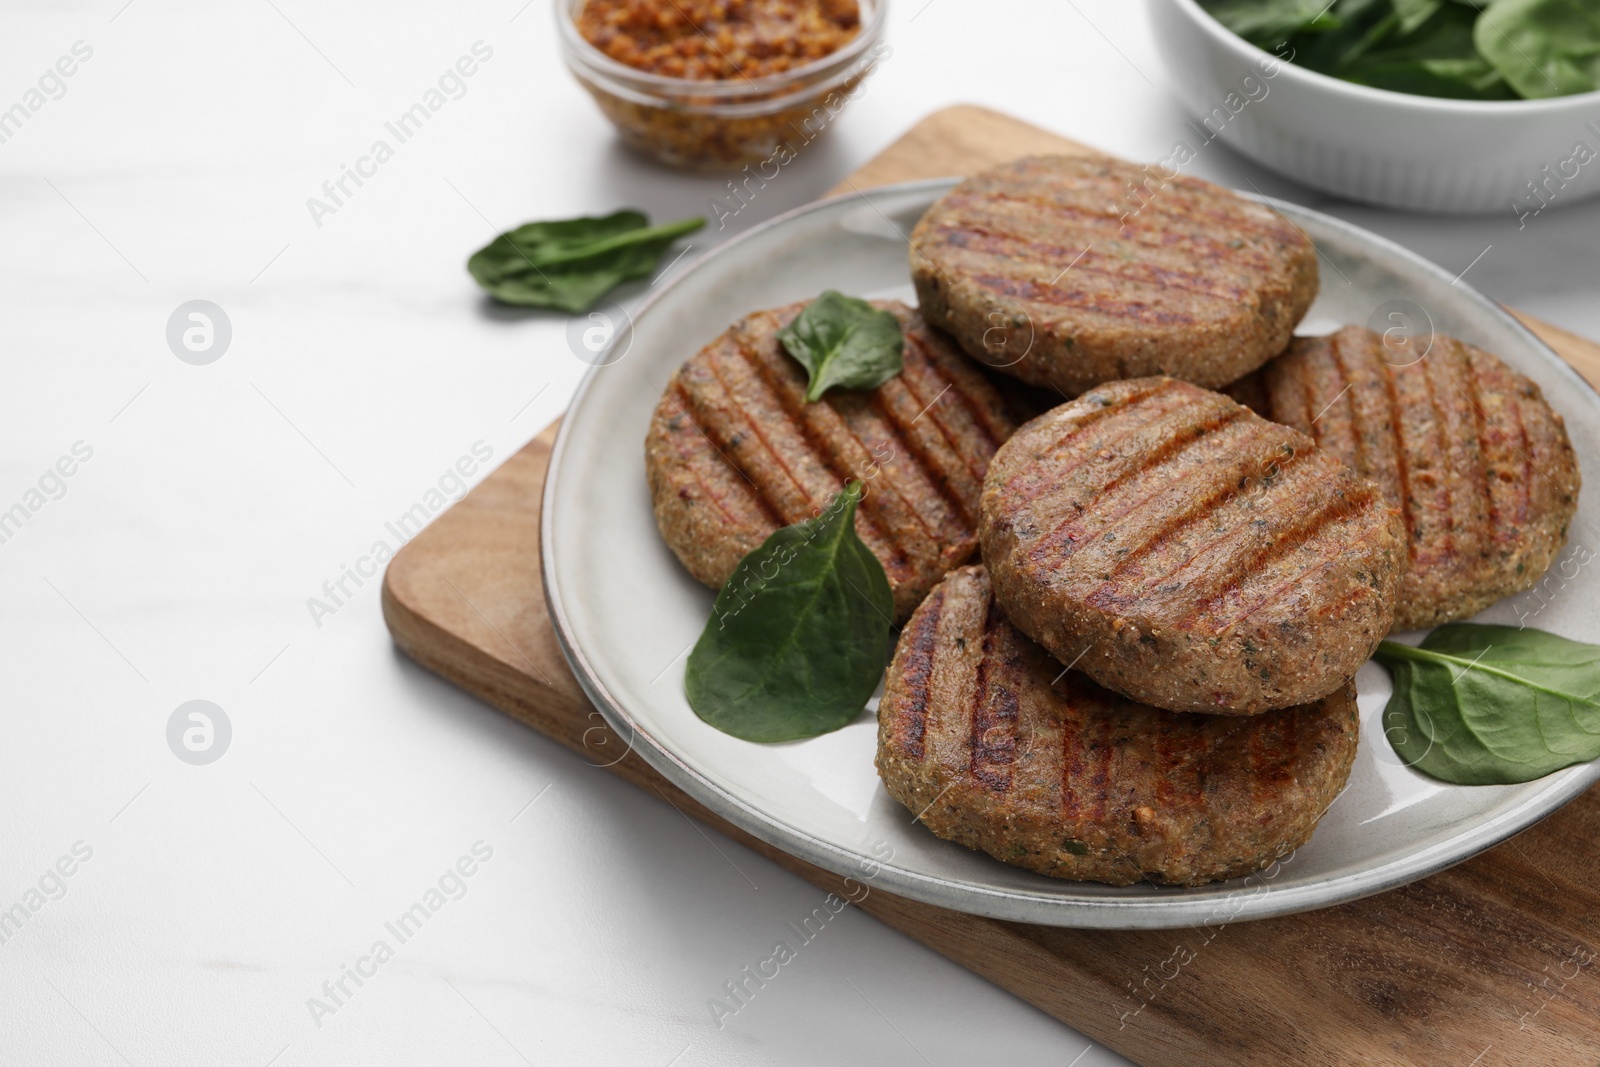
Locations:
(627, 613)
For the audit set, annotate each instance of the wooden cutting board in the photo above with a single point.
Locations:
(1486, 964)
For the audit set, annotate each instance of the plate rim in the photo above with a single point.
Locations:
(1042, 908)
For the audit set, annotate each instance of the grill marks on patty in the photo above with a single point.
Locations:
(1178, 542)
(917, 643)
(1175, 243)
(1115, 420)
(1069, 272)
(1466, 449)
(735, 452)
(995, 747)
(994, 709)
(1125, 482)
(1184, 485)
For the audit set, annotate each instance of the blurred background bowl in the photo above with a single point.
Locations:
(723, 124)
(1382, 147)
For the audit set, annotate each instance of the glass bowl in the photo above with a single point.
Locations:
(724, 124)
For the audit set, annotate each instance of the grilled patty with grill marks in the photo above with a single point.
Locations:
(734, 452)
(1466, 448)
(1186, 552)
(1070, 272)
(995, 747)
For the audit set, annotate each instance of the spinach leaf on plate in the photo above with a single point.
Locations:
(799, 636)
(1543, 47)
(1479, 705)
(840, 340)
(570, 264)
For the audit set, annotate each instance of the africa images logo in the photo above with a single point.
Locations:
(451, 85)
(451, 885)
(451, 486)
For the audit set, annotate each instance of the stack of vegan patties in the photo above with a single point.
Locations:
(1149, 676)
(1214, 579)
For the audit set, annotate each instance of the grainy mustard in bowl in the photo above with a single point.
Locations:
(721, 84)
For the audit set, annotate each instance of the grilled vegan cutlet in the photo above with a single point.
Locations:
(1070, 272)
(1463, 446)
(1186, 552)
(734, 452)
(982, 733)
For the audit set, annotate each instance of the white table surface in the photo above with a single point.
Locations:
(178, 563)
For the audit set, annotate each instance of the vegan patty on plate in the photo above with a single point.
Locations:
(1187, 553)
(734, 452)
(1467, 450)
(1068, 272)
(994, 746)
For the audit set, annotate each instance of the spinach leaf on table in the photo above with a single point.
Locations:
(799, 636)
(1479, 705)
(1543, 47)
(570, 264)
(840, 340)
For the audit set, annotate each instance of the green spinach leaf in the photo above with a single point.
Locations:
(1438, 59)
(1543, 47)
(1269, 23)
(1459, 79)
(1413, 13)
(840, 340)
(1446, 35)
(799, 636)
(570, 264)
(1480, 705)
(1467, 49)
(1360, 26)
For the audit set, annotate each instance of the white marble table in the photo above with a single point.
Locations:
(210, 909)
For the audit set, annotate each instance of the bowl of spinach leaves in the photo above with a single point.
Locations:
(1474, 106)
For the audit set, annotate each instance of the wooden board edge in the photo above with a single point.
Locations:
(1003, 953)
(991, 949)
(1579, 353)
(956, 140)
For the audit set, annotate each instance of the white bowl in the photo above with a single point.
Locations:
(1394, 149)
